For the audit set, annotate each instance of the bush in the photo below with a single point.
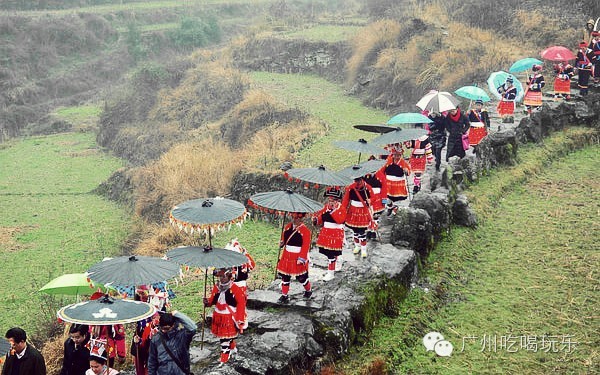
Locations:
(196, 32)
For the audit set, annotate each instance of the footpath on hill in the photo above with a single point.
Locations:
(516, 295)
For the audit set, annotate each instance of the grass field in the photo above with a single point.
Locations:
(328, 102)
(323, 33)
(51, 222)
(517, 295)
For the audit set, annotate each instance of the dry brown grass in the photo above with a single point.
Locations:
(53, 354)
(205, 94)
(368, 42)
(7, 238)
(158, 239)
(188, 170)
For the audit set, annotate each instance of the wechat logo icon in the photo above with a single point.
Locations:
(434, 341)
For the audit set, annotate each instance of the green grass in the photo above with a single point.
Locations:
(527, 271)
(140, 6)
(323, 33)
(151, 28)
(84, 116)
(328, 102)
(51, 223)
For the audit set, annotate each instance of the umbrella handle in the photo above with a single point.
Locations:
(204, 308)
(279, 253)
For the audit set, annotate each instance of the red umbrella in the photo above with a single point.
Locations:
(557, 53)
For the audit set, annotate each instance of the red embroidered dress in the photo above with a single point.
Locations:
(230, 307)
(296, 244)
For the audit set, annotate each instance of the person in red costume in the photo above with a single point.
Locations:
(295, 244)
(396, 171)
(331, 237)
(229, 315)
(359, 217)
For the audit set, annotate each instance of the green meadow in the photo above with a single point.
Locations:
(517, 295)
(51, 221)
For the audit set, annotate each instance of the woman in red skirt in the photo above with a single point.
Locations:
(229, 314)
(533, 97)
(418, 158)
(396, 170)
(562, 82)
(295, 244)
(506, 106)
(331, 237)
(359, 217)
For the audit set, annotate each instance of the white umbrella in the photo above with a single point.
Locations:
(438, 101)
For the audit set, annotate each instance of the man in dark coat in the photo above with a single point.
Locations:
(457, 124)
(176, 333)
(76, 358)
(437, 137)
(23, 359)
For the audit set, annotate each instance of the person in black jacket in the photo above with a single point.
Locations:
(437, 136)
(457, 124)
(76, 359)
(23, 358)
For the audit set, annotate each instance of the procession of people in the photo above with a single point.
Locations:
(347, 221)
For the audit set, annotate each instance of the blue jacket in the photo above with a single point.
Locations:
(178, 340)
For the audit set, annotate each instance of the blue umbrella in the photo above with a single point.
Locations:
(409, 118)
(523, 65)
(473, 93)
(497, 79)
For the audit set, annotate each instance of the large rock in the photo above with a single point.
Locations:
(437, 205)
(412, 228)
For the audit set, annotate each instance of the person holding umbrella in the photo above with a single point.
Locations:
(584, 67)
(377, 182)
(506, 106)
(418, 158)
(295, 243)
(562, 81)
(437, 136)
(480, 123)
(331, 237)
(229, 315)
(357, 203)
(533, 97)
(395, 169)
(76, 357)
(457, 125)
(595, 47)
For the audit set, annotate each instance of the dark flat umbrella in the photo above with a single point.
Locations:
(362, 169)
(282, 202)
(318, 176)
(106, 311)
(375, 128)
(361, 146)
(133, 270)
(205, 257)
(4, 347)
(399, 136)
(206, 215)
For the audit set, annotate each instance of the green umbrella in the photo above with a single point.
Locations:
(206, 215)
(409, 118)
(71, 284)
